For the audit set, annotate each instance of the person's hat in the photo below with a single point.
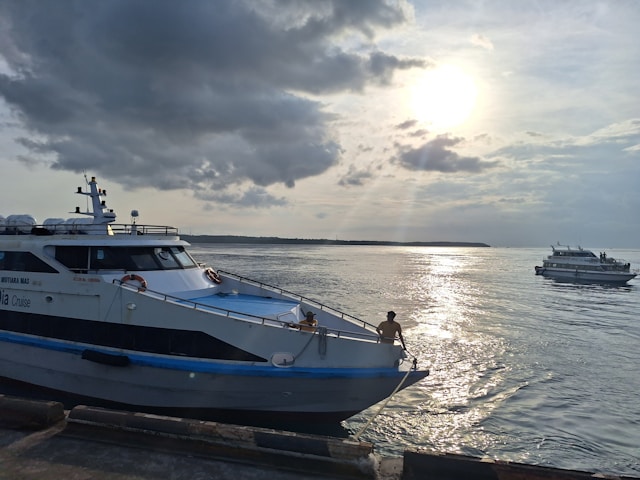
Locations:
(392, 313)
(310, 314)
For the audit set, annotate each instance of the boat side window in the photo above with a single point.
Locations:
(24, 262)
(75, 258)
(183, 257)
(168, 261)
(142, 259)
(105, 258)
(99, 258)
(150, 258)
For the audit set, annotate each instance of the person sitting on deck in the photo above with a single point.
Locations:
(309, 324)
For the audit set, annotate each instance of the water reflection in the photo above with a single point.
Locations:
(446, 330)
(518, 363)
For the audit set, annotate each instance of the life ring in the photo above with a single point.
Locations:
(213, 276)
(137, 278)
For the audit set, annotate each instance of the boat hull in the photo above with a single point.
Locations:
(195, 388)
(582, 276)
(122, 315)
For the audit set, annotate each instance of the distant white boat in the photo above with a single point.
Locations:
(580, 265)
(122, 315)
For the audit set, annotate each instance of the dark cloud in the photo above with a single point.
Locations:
(437, 155)
(407, 124)
(355, 177)
(382, 66)
(200, 94)
(421, 132)
(254, 197)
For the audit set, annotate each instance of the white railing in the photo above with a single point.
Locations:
(98, 228)
(256, 319)
(308, 301)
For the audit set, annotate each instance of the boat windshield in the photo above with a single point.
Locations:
(573, 253)
(83, 259)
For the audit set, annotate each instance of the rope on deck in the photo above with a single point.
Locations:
(322, 341)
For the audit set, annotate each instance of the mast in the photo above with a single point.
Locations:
(102, 215)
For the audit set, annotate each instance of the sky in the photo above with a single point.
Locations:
(516, 124)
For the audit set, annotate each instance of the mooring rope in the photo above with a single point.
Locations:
(311, 337)
(362, 430)
(322, 341)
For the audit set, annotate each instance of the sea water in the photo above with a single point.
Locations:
(523, 368)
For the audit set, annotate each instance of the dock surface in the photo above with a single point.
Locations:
(40, 440)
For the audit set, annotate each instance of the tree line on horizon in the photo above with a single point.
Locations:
(306, 241)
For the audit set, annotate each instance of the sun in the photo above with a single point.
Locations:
(443, 97)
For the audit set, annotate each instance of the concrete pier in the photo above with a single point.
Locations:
(40, 440)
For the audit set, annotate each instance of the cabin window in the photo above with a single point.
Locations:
(74, 258)
(183, 257)
(166, 259)
(24, 262)
(143, 259)
(101, 258)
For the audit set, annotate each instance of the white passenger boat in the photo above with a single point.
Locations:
(122, 315)
(580, 265)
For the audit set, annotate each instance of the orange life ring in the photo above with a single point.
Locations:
(213, 276)
(137, 278)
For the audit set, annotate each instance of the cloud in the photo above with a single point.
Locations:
(481, 41)
(437, 155)
(596, 149)
(254, 197)
(383, 66)
(407, 124)
(421, 132)
(199, 95)
(591, 176)
(355, 177)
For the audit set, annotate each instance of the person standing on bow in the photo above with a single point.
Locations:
(388, 329)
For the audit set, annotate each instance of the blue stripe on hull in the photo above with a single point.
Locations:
(206, 366)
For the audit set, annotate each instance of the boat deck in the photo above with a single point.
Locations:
(263, 307)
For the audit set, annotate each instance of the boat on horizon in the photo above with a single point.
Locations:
(121, 315)
(583, 266)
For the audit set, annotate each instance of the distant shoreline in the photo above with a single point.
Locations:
(304, 241)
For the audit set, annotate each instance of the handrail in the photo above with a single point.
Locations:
(131, 229)
(79, 228)
(240, 316)
(315, 303)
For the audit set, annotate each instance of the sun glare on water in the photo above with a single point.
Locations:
(443, 97)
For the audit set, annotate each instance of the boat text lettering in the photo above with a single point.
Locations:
(20, 280)
(85, 279)
(14, 300)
